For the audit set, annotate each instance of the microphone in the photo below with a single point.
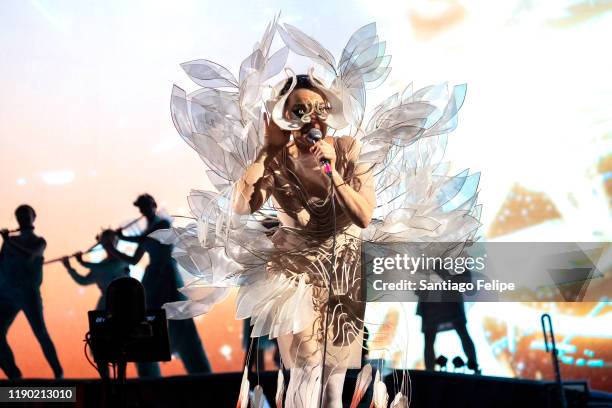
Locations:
(314, 135)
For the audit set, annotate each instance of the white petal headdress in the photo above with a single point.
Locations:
(222, 121)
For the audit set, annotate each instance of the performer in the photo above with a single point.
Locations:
(161, 282)
(101, 273)
(21, 260)
(446, 312)
(291, 172)
(272, 153)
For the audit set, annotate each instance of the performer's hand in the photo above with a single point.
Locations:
(5, 233)
(119, 233)
(79, 256)
(66, 262)
(274, 137)
(107, 241)
(323, 150)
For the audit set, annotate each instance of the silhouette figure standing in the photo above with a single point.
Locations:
(446, 312)
(161, 282)
(21, 261)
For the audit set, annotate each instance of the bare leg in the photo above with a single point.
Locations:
(334, 384)
(303, 389)
(305, 379)
(305, 383)
(302, 354)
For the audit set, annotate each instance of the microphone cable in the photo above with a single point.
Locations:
(329, 291)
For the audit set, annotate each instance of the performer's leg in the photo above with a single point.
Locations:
(33, 310)
(305, 383)
(103, 369)
(302, 352)
(148, 370)
(430, 353)
(8, 312)
(468, 345)
(185, 340)
(260, 364)
(101, 305)
(248, 344)
(277, 357)
(256, 361)
(303, 388)
(305, 379)
(334, 384)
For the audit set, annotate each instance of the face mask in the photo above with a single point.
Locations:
(303, 111)
(331, 112)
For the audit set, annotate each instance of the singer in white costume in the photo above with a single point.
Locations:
(290, 171)
(290, 217)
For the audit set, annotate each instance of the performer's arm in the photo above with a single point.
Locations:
(79, 257)
(4, 233)
(137, 239)
(132, 260)
(37, 250)
(358, 205)
(253, 188)
(81, 280)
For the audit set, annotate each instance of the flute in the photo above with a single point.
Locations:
(91, 248)
(13, 231)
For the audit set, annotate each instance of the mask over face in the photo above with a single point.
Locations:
(329, 110)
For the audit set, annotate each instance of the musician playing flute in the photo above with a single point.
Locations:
(101, 273)
(21, 261)
(161, 281)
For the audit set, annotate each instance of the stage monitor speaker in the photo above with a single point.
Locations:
(146, 342)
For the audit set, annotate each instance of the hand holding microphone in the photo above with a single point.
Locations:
(324, 152)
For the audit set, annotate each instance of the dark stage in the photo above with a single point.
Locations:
(431, 390)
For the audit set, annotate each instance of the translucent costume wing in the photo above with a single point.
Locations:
(363, 62)
(304, 45)
(222, 122)
(404, 146)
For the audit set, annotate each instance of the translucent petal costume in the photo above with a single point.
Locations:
(281, 255)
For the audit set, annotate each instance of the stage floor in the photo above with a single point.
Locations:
(431, 390)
